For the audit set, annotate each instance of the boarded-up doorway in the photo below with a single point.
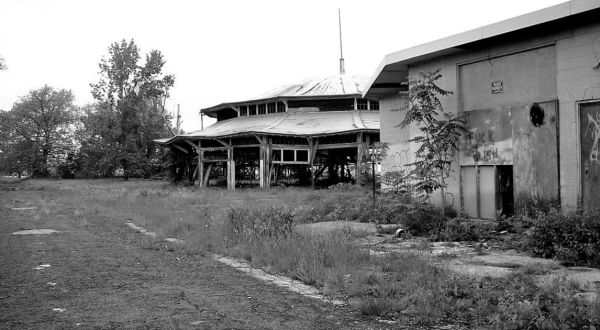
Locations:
(487, 190)
(589, 135)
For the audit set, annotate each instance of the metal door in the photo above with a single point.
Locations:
(589, 136)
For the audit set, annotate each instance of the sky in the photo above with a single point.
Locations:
(227, 50)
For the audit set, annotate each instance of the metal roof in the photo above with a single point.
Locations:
(288, 124)
(393, 69)
(344, 85)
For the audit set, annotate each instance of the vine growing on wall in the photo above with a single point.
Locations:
(440, 134)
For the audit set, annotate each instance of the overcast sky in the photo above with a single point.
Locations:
(224, 50)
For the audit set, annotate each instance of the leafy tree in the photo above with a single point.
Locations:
(38, 132)
(440, 134)
(2, 64)
(129, 113)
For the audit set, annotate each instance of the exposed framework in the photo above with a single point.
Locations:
(271, 156)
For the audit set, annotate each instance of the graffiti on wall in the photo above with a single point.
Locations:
(396, 160)
(482, 145)
(489, 141)
(594, 126)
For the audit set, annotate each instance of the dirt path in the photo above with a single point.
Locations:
(103, 275)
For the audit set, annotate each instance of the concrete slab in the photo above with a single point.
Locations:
(35, 232)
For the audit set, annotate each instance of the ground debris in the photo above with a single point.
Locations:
(35, 232)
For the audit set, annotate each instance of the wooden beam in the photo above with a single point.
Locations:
(338, 145)
(207, 175)
(314, 146)
(230, 170)
(196, 147)
(200, 168)
(215, 160)
(225, 144)
(180, 148)
(260, 140)
(262, 165)
(291, 146)
(359, 156)
(214, 148)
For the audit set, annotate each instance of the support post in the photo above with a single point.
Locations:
(207, 176)
(314, 145)
(230, 169)
(359, 157)
(200, 168)
(262, 162)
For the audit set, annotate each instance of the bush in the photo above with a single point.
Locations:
(423, 219)
(460, 230)
(574, 237)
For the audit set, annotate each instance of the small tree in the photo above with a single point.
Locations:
(439, 141)
(38, 131)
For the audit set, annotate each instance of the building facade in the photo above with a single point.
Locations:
(528, 89)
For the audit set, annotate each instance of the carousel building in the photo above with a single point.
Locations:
(314, 133)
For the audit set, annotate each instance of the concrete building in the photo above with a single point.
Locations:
(529, 91)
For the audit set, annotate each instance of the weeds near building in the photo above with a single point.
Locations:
(440, 135)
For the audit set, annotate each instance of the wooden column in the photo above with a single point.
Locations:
(314, 145)
(230, 169)
(200, 168)
(268, 161)
(359, 156)
(207, 176)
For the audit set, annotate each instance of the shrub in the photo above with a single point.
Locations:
(460, 229)
(574, 237)
(423, 219)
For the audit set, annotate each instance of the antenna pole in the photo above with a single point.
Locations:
(178, 119)
(342, 69)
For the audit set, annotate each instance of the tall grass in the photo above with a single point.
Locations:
(258, 225)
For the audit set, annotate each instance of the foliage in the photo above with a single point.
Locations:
(440, 137)
(38, 132)
(461, 230)
(574, 237)
(423, 219)
(129, 114)
(396, 181)
(2, 64)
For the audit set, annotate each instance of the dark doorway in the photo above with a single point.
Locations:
(505, 201)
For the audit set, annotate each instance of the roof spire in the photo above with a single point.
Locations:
(342, 69)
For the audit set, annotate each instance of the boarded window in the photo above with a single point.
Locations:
(362, 104)
(262, 109)
(288, 155)
(276, 155)
(252, 109)
(301, 155)
(280, 107)
(271, 108)
(374, 105)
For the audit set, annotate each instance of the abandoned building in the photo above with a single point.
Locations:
(528, 89)
(316, 132)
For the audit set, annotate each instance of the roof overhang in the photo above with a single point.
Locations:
(392, 73)
(310, 124)
(211, 111)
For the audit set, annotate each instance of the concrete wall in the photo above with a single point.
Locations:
(567, 58)
(577, 81)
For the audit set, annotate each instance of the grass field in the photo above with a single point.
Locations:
(258, 225)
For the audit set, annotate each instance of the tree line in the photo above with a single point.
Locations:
(46, 134)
